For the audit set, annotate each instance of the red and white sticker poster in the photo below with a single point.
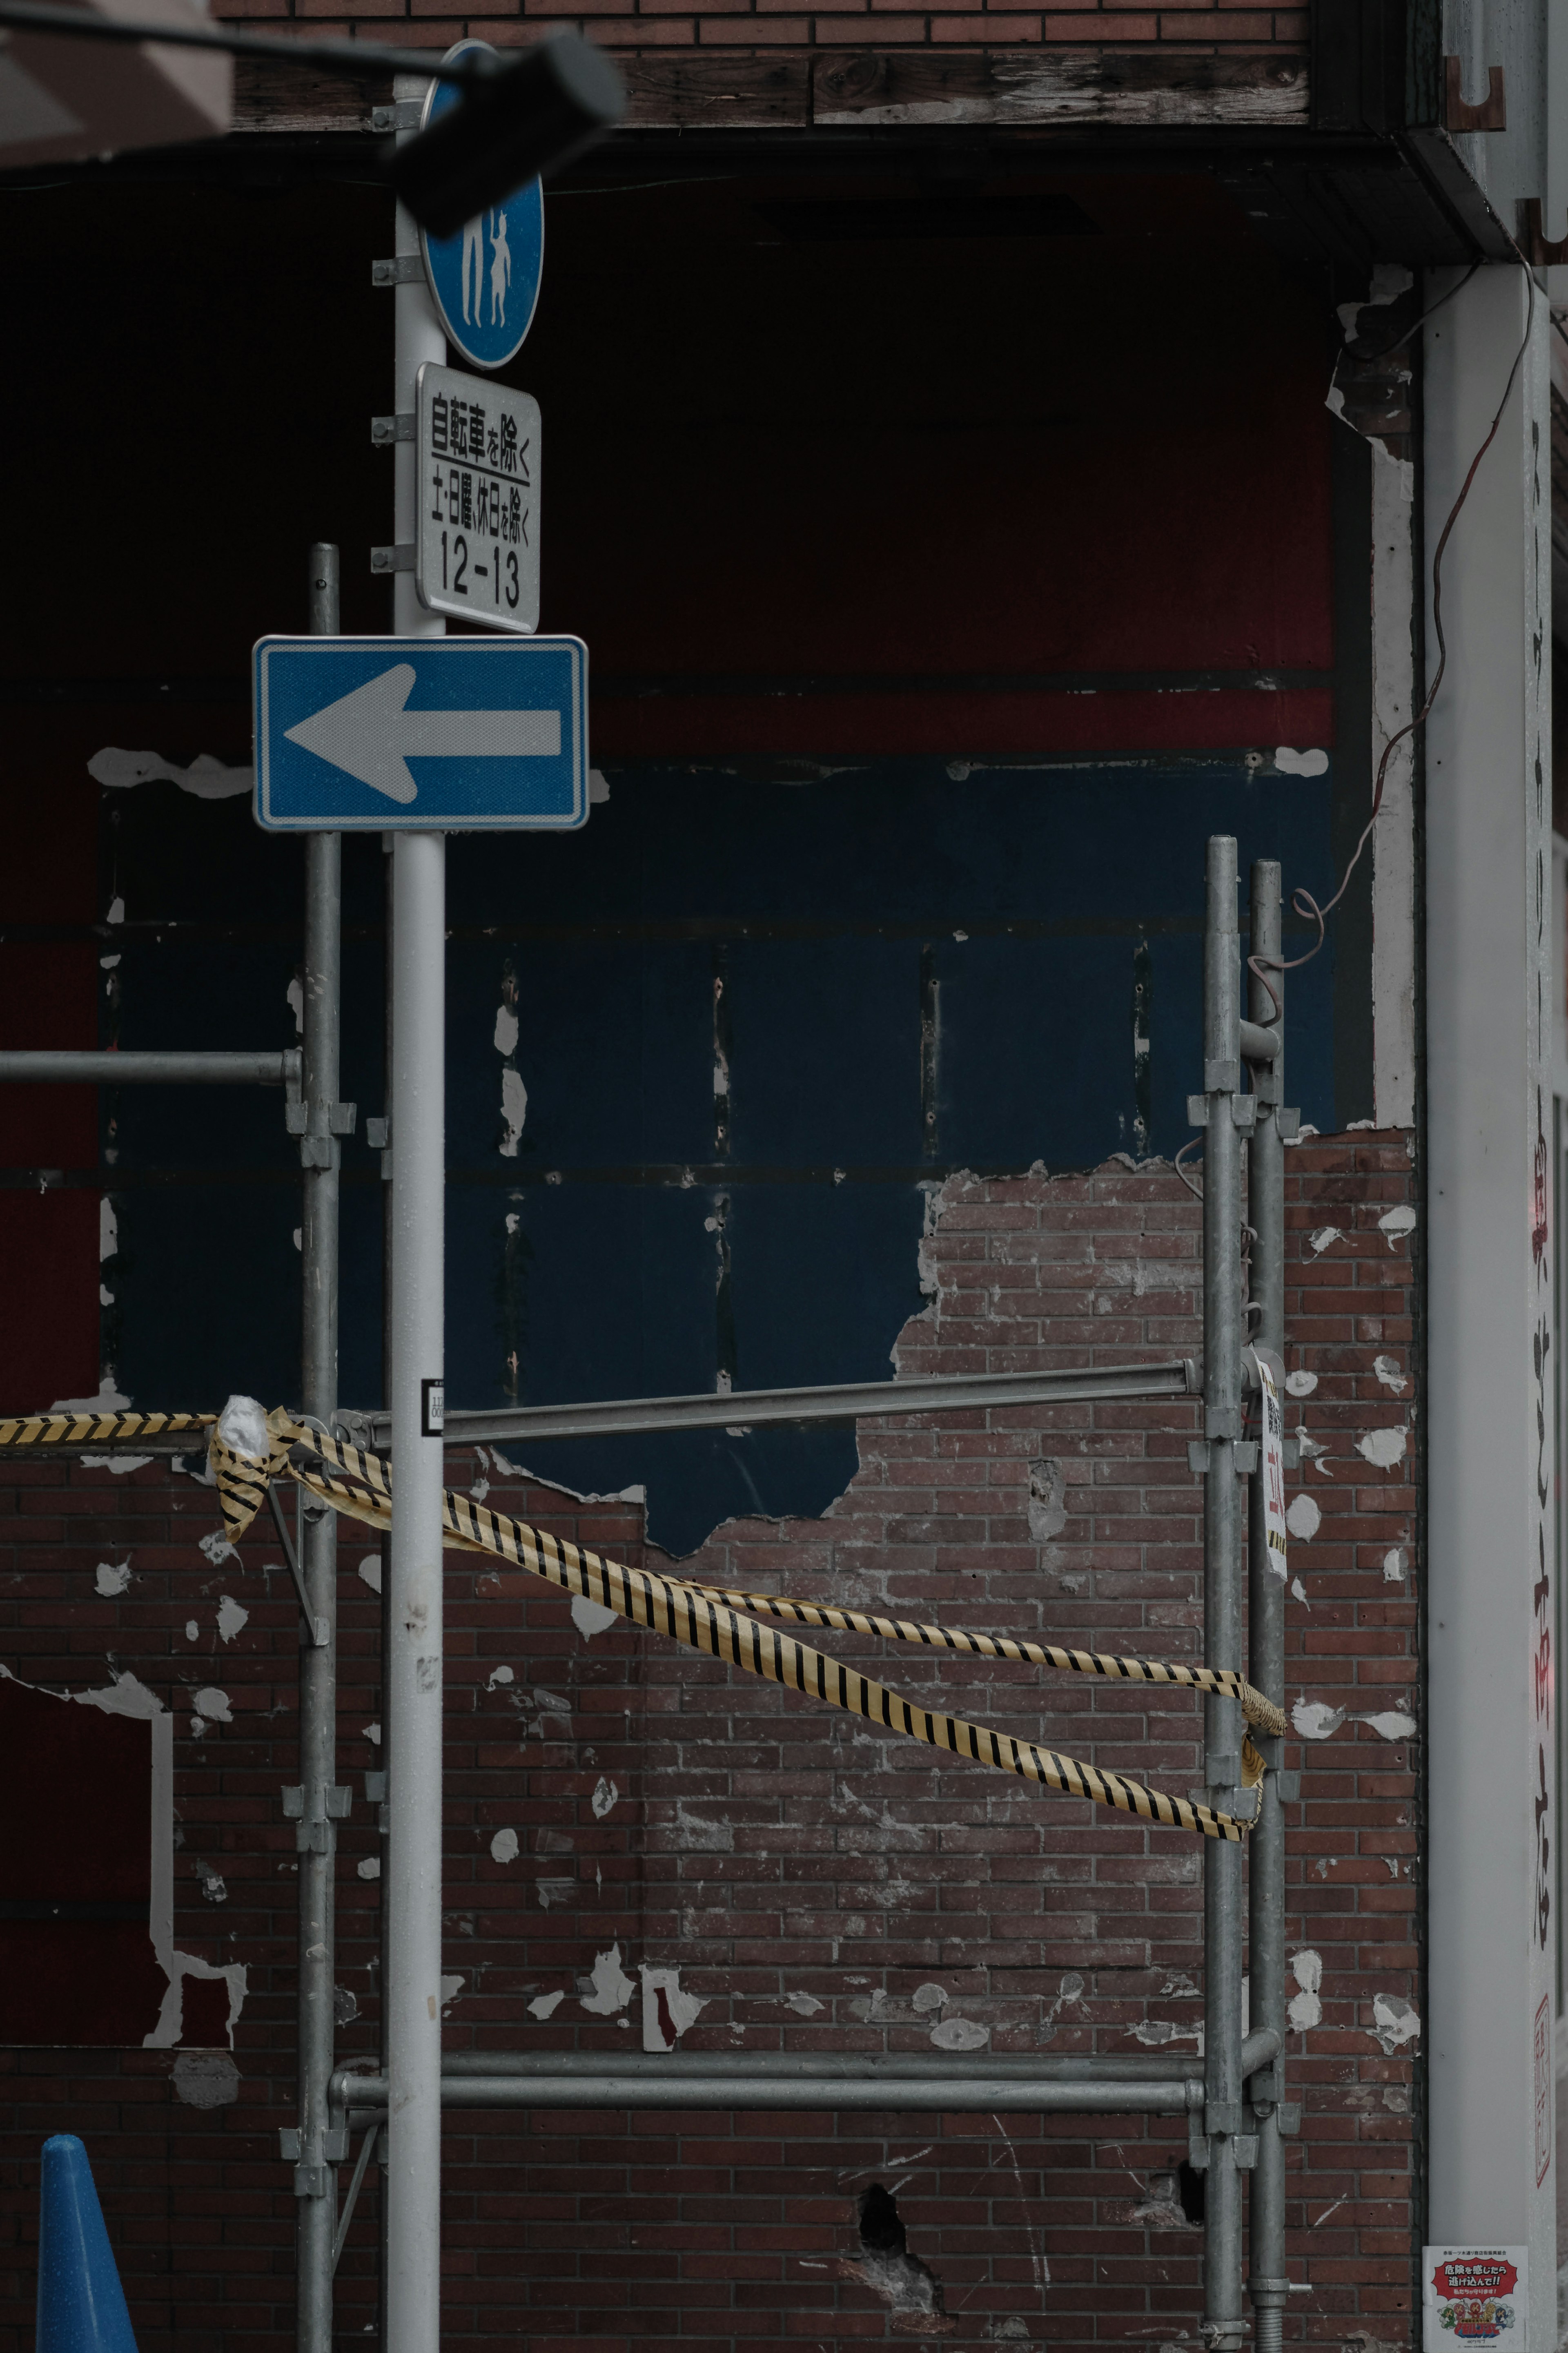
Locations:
(1474, 2295)
(1273, 1469)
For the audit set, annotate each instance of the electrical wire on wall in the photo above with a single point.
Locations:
(1301, 899)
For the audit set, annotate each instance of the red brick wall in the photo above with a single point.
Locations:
(807, 1877)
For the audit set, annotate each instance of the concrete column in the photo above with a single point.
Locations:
(1490, 1451)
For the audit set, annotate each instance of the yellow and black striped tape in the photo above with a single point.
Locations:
(702, 1618)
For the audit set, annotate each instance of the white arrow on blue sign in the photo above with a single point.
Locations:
(448, 734)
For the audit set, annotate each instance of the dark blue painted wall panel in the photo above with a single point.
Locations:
(646, 1237)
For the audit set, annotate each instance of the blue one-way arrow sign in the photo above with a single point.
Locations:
(379, 735)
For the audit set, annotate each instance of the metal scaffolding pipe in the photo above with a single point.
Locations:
(365, 2096)
(44, 1066)
(1268, 2280)
(316, 2178)
(828, 2068)
(846, 1401)
(1224, 1335)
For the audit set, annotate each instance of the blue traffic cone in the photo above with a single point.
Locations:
(81, 2305)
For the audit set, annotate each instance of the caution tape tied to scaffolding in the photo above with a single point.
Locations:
(700, 1617)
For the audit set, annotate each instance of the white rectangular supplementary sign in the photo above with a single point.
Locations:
(439, 734)
(477, 552)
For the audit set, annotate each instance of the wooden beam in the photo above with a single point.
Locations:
(1164, 87)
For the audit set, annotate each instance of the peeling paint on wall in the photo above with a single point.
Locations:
(1384, 1448)
(607, 1988)
(232, 1618)
(111, 1578)
(545, 2005)
(667, 2010)
(1305, 2009)
(1396, 2022)
(205, 779)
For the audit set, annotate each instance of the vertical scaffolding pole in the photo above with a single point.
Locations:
(413, 1665)
(1223, 1341)
(1267, 2282)
(315, 2177)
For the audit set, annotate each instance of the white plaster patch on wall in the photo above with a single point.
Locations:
(1305, 2009)
(193, 1632)
(598, 786)
(213, 1704)
(217, 1547)
(1299, 1385)
(111, 1578)
(498, 1676)
(607, 1988)
(1154, 2033)
(1300, 763)
(122, 1465)
(667, 2012)
(295, 995)
(1384, 1448)
(123, 1696)
(205, 779)
(108, 1241)
(1315, 1720)
(1394, 2022)
(1323, 1238)
(213, 1886)
(960, 2034)
(1396, 1223)
(591, 1618)
(604, 1799)
(1303, 1519)
(505, 1040)
(1393, 1566)
(372, 1734)
(1299, 1590)
(232, 1618)
(1048, 1500)
(504, 1847)
(1389, 1723)
(513, 1111)
(369, 1866)
(699, 1831)
(545, 2005)
(451, 1988)
(1388, 1373)
(804, 2005)
(370, 1570)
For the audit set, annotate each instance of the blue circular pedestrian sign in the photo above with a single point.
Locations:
(484, 281)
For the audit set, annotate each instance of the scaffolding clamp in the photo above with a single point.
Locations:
(313, 1834)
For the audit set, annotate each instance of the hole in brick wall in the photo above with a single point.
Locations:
(887, 2266)
(1190, 2190)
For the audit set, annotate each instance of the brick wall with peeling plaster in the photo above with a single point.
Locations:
(808, 1882)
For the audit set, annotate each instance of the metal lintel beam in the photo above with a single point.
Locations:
(848, 1401)
(44, 1066)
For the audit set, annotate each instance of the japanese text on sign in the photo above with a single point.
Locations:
(478, 550)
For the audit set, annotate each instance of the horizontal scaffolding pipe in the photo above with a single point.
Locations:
(46, 1068)
(823, 2067)
(849, 1402)
(365, 2096)
(1258, 1044)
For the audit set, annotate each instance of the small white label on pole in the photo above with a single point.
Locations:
(1474, 2295)
(432, 1408)
(476, 548)
(1273, 1468)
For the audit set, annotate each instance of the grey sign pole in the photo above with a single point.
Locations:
(413, 1667)
(321, 1803)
